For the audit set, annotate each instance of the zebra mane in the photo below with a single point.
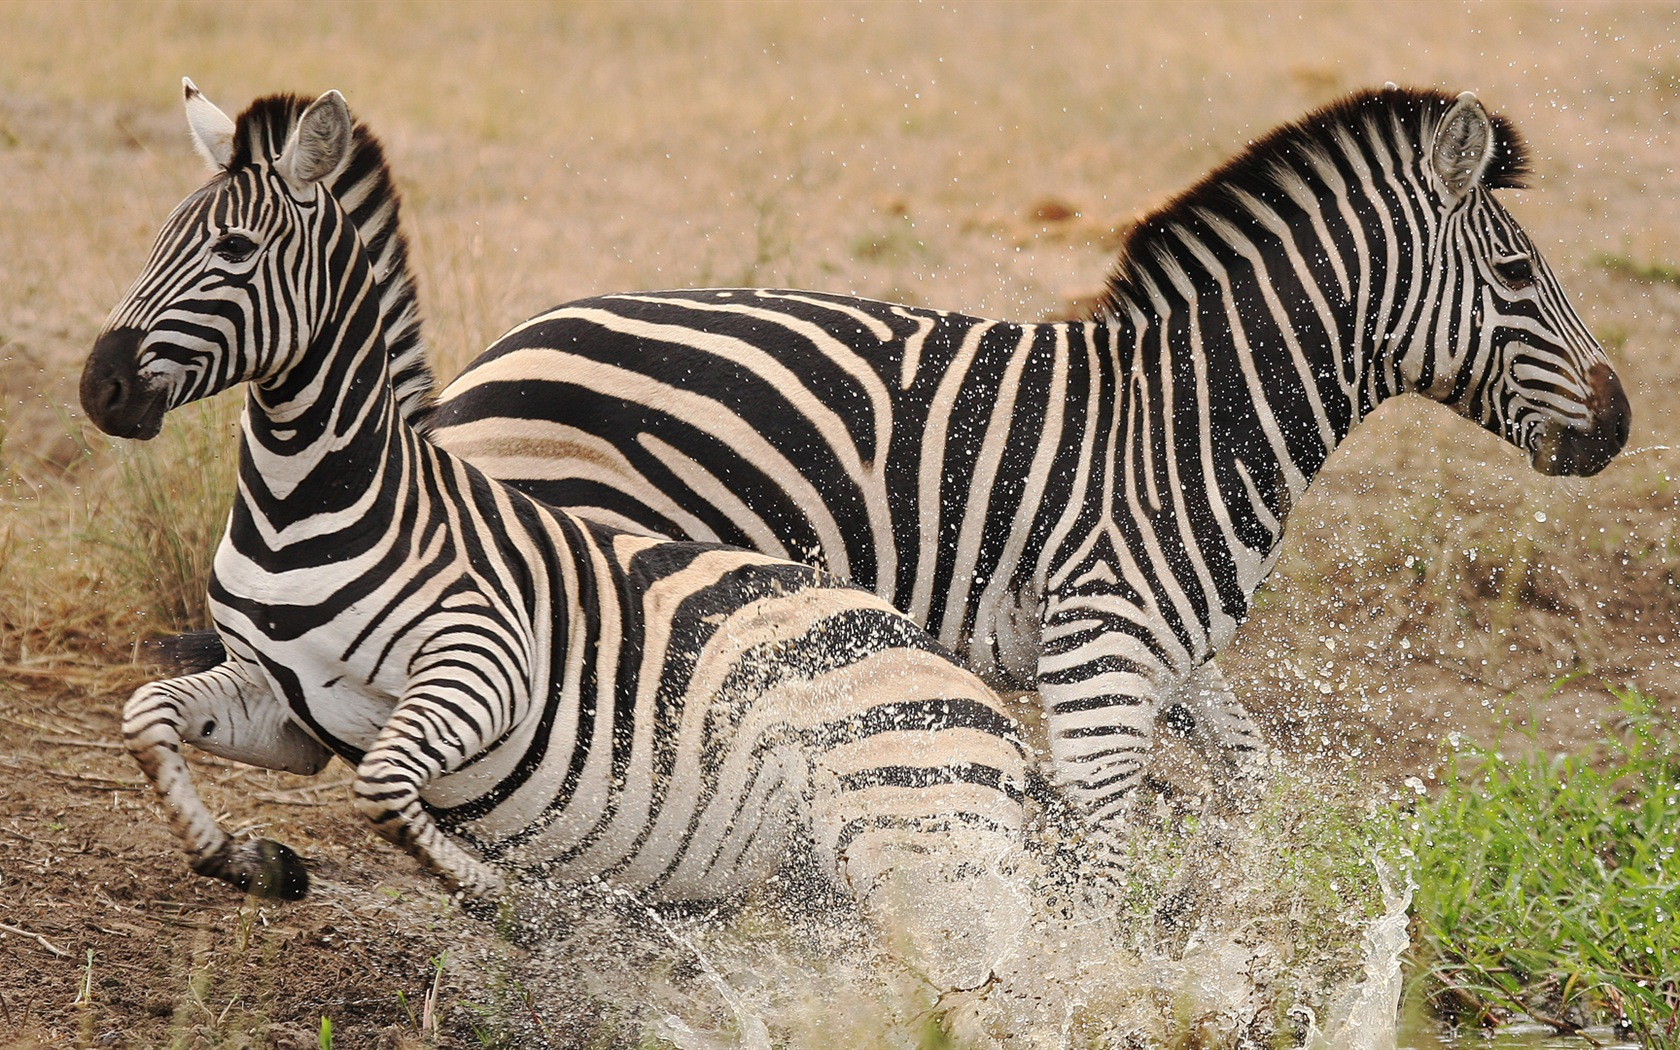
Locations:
(365, 190)
(1371, 121)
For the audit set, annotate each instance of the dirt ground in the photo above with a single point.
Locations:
(979, 158)
(109, 941)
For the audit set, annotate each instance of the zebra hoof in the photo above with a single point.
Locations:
(260, 867)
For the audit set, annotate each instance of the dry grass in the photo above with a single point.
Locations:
(976, 158)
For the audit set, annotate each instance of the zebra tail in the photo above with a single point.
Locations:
(187, 653)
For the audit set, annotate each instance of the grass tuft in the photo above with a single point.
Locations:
(1549, 885)
(1650, 272)
(159, 522)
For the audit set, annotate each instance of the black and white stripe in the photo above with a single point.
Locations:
(515, 686)
(1086, 507)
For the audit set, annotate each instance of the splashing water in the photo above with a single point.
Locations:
(1284, 931)
(1364, 1018)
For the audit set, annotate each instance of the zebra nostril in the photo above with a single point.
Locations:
(113, 393)
(1610, 403)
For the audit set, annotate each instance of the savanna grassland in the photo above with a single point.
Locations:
(983, 158)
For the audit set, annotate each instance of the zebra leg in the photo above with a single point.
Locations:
(1226, 737)
(252, 727)
(1100, 686)
(223, 696)
(1221, 731)
(426, 736)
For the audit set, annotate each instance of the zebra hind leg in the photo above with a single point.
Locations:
(1220, 729)
(944, 898)
(153, 721)
(932, 860)
(1206, 710)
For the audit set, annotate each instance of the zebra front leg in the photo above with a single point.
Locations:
(221, 705)
(1100, 686)
(1223, 733)
(426, 737)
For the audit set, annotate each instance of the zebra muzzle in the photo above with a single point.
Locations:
(1584, 451)
(113, 394)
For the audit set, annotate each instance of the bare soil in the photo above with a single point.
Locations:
(109, 941)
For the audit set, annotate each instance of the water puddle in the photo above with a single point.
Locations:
(1512, 1037)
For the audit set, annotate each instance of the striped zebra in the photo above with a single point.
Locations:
(516, 687)
(1084, 507)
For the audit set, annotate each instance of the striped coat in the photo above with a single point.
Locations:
(1087, 507)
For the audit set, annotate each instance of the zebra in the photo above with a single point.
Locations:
(517, 687)
(1084, 507)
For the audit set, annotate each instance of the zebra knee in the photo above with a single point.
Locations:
(152, 719)
(1100, 785)
(389, 797)
(1179, 719)
(389, 801)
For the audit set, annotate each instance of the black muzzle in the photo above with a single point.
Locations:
(113, 395)
(1586, 451)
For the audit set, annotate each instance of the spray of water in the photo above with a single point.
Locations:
(1282, 929)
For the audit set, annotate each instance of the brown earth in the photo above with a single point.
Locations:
(109, 941)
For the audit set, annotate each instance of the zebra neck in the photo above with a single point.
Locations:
(319, 437)
(365, 189)
(408, 373)
(1259, 368)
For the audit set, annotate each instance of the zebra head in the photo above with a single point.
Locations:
(1504, 347)
(204, 314)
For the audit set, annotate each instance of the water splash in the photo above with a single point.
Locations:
(1364, 1018)
(1213, 936)
(753, 1035)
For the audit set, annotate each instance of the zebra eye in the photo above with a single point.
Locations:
(234, 247)
(1516, 272)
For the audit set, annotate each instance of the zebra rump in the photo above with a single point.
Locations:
(516, 687)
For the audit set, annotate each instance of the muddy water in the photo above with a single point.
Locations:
(1514, 1037)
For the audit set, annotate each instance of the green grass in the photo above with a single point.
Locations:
(1628, 266)
(1549, 885)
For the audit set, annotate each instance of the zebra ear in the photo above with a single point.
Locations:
(1464, 146)
(319, 143)
(212, 130)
